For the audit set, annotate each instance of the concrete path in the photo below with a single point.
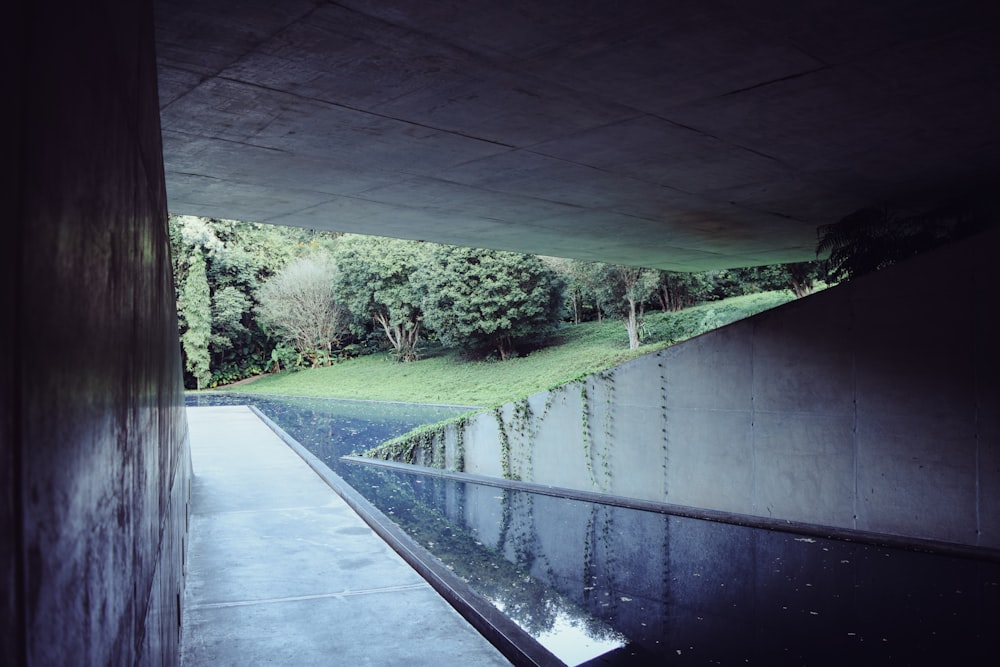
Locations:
(280, 571)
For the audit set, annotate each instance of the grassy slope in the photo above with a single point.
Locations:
(442, 377)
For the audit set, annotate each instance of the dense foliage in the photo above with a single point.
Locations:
(254, 298)
(300, 306)
(374, 284)
(194, 304)
(222, 340)
(620, 291)
(872, 238)
(488, 300)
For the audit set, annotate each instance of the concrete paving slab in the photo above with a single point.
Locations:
(280, 571)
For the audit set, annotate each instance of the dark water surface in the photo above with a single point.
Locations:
(650, 588)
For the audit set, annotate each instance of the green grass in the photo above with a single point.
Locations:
(442, 376)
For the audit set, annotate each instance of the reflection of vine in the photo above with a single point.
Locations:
(520, 540)
(589, 566)
(600, 540)
(525, 543)
(505, 519)
(610, 553)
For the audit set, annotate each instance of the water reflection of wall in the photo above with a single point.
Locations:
(720, 592)
(849, 408)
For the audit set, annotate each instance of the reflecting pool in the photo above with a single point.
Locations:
(642, 587)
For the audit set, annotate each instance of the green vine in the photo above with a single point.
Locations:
(428, 441)
(460, 444)
(505, 462)
(609, 382)
(525, 426)
(585, 422)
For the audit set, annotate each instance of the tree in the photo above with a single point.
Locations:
(871, 239)
(299, 304)
(373, 283)
(238, 257)
(195, 306)
(675, 290)
(579, 293)
(622, 292)
(488, 299)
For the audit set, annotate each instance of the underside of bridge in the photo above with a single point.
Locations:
(686, 135)
(683, 135)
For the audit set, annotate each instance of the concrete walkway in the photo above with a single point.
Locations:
(280, 571)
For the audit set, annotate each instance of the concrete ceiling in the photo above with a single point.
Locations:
(681, 134)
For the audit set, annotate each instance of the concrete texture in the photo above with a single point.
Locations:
(95, 463)
(684, 135)
(688, 135)
(859, 407)
(281, 571)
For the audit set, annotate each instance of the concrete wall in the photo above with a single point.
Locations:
(95, 466)
(871, 406)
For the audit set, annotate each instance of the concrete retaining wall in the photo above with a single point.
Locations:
(95, 472)
(872, 406)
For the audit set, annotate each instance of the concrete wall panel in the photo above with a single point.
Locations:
(804, 467)
(710, 459)
(917, 477)
(482, 447)
(710, 372)
(872, 405)
(101, 442)
(806, 366)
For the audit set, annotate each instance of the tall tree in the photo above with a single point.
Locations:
(622, 292)
(676, 290)
(299, 304)
(238, 258)
(373, 282)
(195, 306)
(579, 292)
(488, 299)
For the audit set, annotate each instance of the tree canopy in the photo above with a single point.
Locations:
(300, 305)
(242, 290)
(872, 238)
(374, 284)
(621, 292)
(235, 259)
(194, 303)
(488, 299)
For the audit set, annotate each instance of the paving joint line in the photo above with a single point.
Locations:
(317, 596)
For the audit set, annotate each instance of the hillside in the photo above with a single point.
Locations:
(442, 376)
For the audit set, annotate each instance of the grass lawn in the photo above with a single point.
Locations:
(442, 376)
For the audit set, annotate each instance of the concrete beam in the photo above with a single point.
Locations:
(683, 135)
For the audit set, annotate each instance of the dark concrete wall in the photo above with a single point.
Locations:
(874, 406)
(95, 468)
